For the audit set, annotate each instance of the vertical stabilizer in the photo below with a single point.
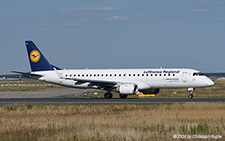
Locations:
(37, 60)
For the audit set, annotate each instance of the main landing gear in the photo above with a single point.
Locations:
(190, 90)
(108, 95)
(123, 96)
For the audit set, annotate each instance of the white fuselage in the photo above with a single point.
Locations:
(143, 78)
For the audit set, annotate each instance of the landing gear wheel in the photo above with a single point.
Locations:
(190, 90)
(108, 95)
(123, 96)
(190, 96)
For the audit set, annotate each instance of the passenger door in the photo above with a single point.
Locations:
(184, 76)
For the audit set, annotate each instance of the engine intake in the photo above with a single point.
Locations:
(127, 89)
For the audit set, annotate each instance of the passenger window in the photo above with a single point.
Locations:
(168, 74)
(66, 75)
(173, 74)
(71, 75)
(160, 74)
(155, 74)
(133, 74)
(102, 75)
(78, 75)
(110, 74)
(90, 75)
(87, 75)
(119, 74)
(82, 75)
(98, 75)
(124, 74)
(151, 74)
(106, 75)
(146, 74)
(164, 74)
(138, 74)
(129, 74)
(142, 74)
(115, 75)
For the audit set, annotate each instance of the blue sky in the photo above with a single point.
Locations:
(115, 33)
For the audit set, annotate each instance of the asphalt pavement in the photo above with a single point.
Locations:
(72, 96)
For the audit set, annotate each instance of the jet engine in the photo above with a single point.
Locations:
(150, 91)
(127, 89)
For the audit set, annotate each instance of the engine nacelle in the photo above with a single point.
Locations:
(150, 91)
(127, 89)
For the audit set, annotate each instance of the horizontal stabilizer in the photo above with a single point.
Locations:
(55, 67)
(28, 74)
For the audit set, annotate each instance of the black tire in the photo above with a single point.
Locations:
(190, 96)
(108, 95)
(122, 96)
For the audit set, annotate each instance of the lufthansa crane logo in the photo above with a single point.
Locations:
(35, 56)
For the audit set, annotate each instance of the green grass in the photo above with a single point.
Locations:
(28, 86)
(110, 122)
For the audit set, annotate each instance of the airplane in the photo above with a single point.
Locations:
(123, 81)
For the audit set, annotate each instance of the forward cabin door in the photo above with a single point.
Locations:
(184, 76)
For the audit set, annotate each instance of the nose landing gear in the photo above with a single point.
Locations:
(190, 95)
(190, 90)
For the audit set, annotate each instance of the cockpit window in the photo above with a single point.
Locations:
(196, 74)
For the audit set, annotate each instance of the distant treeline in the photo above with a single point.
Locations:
(214, 75)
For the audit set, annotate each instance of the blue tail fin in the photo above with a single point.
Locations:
(37, 60)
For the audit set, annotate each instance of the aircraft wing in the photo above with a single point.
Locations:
(28, 74)
(99, 83)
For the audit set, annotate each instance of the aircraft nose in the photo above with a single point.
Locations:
(209, 82)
